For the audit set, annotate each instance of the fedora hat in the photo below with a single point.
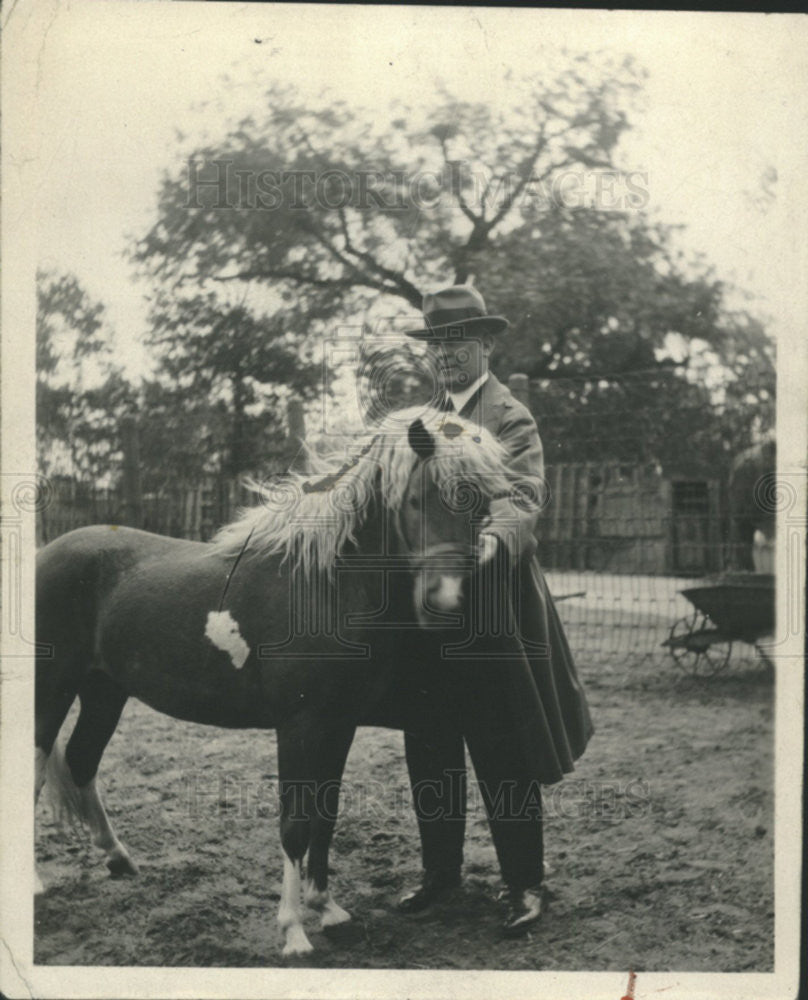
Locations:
(458, 311)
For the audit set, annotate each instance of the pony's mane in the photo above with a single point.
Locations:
(311, 518)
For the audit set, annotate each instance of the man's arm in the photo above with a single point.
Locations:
(513, 522)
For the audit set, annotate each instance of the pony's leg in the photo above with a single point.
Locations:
(334, 752)
(102, 701)
(118, 859)
(290, 911)
(56, 687)
(40, 772)
(297, 805)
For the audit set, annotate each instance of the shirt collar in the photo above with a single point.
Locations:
(461, 397)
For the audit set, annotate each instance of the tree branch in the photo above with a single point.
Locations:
(305, 279)
(456, 189)
(527, 175)
(405, 288)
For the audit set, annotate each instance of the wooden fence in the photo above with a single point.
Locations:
(600, 516)
(183, 510)
(632, 519)
(608, 517)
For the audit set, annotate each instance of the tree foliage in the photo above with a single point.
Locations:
(229, 368)
(632, 349)
(80, 393)
(324, 214)
(323, 200)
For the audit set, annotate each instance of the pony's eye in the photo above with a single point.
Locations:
(414, 502)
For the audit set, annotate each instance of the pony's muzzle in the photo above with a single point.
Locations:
(438, 599)
(440, 577)
(445, 593)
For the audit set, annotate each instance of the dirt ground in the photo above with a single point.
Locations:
(660, 845)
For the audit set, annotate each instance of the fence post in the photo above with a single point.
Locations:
(132, 492)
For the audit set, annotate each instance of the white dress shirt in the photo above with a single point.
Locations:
(460, 397)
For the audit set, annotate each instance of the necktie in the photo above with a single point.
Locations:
(447, 405)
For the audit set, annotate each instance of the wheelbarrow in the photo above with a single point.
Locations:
(734, 607)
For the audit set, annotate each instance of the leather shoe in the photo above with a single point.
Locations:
(433, 885)
(524, 910)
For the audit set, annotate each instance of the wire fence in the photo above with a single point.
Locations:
(619, 540)
(616, 558)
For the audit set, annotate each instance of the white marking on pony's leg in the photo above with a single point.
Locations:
(313, 897)
(320, 900)
(103, 836)
(61, 790)
(223, 631)
(290, 911)
(333, 914)
(40, 771)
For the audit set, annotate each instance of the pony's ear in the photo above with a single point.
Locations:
(421, 441)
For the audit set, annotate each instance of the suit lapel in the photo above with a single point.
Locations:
(486, 405)
(472, 402)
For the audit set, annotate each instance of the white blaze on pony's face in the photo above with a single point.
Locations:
(223, 631)
(446, 594)
(440, 515)
(437, 597)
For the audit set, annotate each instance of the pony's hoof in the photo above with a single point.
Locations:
(334, 916)
(296, 943)
(122, 866)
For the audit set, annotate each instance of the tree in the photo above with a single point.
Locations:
(633, 352)
(228, 368)
(318, 199)
(81, 393)
(337, 215)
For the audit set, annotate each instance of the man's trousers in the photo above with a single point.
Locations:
(457, 701)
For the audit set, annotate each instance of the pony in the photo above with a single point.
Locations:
(290, 618)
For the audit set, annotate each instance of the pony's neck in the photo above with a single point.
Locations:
(375, 534)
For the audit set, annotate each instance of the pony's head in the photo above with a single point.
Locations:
(457, 469)
(428, 476)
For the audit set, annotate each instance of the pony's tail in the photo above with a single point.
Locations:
(61, 791)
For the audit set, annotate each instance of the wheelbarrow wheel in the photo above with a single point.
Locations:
(693, 650)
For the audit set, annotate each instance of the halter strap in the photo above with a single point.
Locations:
(434, 553)
(330, 479)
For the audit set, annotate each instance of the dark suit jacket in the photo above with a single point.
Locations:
(512, 424)
(548, 707)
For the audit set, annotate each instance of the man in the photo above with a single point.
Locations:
(518, 704)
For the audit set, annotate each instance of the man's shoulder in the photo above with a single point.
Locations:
(499, 394)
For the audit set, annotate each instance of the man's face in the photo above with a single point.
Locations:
(461, 360)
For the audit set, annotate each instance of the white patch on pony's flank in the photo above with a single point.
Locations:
(223, 631)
